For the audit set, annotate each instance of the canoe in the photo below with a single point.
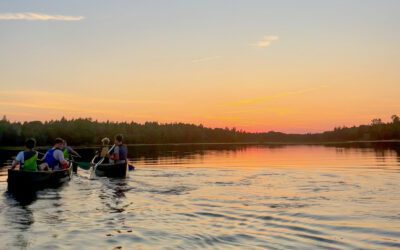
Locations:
(112, 170)
(26, 180)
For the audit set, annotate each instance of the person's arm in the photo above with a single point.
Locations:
(14, 164)
(115, 154)
(72, 151)
(18, 160)
(59, 156)
(43, 158)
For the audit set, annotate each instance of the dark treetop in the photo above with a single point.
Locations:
(85, 131)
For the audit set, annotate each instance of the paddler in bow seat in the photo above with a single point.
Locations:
(103, 152)
(54, 157)
(27, 159)
(120, 152)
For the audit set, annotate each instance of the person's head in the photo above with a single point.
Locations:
(65, 144)
(105, 141)
(118, 139)
(58, 143)
(30, 143)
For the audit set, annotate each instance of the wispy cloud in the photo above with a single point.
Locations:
(266, 41)
(31, 16)
(205, 59)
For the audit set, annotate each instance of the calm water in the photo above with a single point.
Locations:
(293, 197)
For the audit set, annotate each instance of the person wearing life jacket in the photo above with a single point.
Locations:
(68, 151)
(120, 151)
(27, 159)
(54, 157)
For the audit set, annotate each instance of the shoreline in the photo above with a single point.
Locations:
(223, 143)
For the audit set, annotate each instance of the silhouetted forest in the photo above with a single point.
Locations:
(85, 131)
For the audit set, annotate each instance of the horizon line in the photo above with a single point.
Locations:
(4, 117)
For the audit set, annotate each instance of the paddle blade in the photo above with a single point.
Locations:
(83, 164)
(92, 172)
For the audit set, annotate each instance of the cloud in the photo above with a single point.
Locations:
(205, 59)
(266, 41)
(31, 16)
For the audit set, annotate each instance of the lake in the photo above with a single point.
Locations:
(219, 197)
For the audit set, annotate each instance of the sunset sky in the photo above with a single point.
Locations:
(291, 66)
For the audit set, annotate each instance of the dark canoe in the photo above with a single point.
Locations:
(26, 180)
(112, 170)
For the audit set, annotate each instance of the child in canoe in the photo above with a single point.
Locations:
(27, 159)
(103, 153)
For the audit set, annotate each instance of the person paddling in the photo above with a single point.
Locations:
(120, 152)
(105, 147)
(54, 157)
(69, 152)
(103, 152)
(27, 159)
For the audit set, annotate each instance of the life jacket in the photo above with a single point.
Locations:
(66, 153)
(50, 160)
(123, 152)
(30, 161)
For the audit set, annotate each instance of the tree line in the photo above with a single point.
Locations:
(85, 131)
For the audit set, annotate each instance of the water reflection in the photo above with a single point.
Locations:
(19, 215)
(23, 198)
(112, 194)
(265, 155)
(19, 218)
(213, 196)
(181, 153)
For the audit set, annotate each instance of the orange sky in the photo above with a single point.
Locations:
(254, 65)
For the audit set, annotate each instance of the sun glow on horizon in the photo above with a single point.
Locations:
(220, 64)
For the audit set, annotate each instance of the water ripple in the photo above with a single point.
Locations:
(253, 199)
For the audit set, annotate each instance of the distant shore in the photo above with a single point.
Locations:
(221, 143)
(85, 132)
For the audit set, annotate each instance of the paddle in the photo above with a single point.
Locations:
(86, 165)
(83, 164)
(8, 162)
(92, 173)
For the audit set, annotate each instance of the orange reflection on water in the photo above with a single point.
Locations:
(299, 156)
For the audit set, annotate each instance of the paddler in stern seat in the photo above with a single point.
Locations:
(120, 152)
(54, 157)
(27, 159)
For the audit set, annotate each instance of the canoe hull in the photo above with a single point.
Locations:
(112, 170)
(25, 180)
